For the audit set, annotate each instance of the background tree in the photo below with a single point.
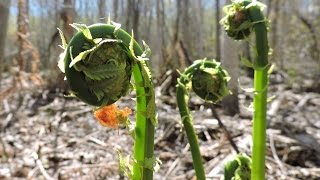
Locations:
(4, 16)
(102, 10)
(231, 63)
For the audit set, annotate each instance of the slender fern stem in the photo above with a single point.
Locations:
(259, 124)
(144, 131)
(209, 81)
(191, 134)
(260, 97)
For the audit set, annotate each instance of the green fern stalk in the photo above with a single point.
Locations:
(98, 63)
(243, 17)
(209, 81)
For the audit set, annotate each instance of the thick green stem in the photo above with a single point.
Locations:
(260, 97)
(144, 130)
(259, 124)
(240, 14)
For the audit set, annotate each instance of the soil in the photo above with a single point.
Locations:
(46, 135)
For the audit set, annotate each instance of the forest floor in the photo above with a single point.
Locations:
(45, 135)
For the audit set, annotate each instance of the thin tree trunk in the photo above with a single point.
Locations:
(129, 13)
(269, 5)
(274, 39)
(172, 53)
(148, 21)
(177, 23)
(115, 10)
(136, 18)
(185, 20)
(67, 16)
(4, 16)
(200, 30)
(23, 32)
(102, 10)
(26, 47)
(160, 29)
(218, 30)
(230, 61)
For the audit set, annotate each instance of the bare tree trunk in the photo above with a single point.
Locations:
(102, 10)
(177, 23)
(149, 15)
(172, 53)
(200, 30)
(115, 10)
(129, 14)
(314, 52)
(269, 6)
(67, 16)
(28, 58)
(4, 16)
(218, 30)
(23, 32)
(122, 15)
(185, 20)
(136, 18)
(274, 39)
(230, 61)
(160, 28)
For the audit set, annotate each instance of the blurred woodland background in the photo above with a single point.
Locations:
(37, 121)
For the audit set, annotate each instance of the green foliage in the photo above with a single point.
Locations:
(125, 165)
(238, 169)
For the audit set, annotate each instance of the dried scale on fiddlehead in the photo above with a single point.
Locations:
(242, 18)
(209, 81)
(98, 63)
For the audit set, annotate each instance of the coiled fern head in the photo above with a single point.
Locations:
(208, 80)
(98, 64)
(210, 83)
(237, 23)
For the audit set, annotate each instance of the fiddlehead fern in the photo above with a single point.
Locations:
(252, 19)
(209, 81)
(98, 64)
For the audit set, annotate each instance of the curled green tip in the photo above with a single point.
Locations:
(209, 80)
(237, 21)
(210, 83)
(98, 64)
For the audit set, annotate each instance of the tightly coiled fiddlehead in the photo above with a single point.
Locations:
(209, 81)
(242, 18)
(252, 20)
(98, 64)
(237, 22)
